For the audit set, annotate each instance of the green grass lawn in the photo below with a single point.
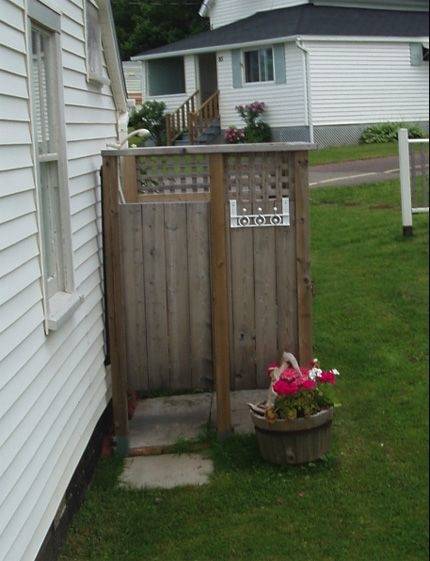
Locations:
(338, 154)
(368, 500)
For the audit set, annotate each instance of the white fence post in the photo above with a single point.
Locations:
(405, 181)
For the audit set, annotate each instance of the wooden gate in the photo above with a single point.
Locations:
(214, 268)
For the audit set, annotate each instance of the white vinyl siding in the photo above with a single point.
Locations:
(133, 77)
(285, 102)
(355, 82)
(228, 11)
(52, 389)
(224, 12)
(175, 100)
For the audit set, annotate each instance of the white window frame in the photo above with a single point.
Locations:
(258, 49)
(59, 301)
(96, 79)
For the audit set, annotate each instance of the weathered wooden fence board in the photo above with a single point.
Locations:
(199, 295)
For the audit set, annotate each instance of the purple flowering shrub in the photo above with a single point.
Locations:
(256, 130)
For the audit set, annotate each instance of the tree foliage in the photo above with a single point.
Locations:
(145, 24)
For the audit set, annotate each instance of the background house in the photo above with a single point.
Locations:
(62, 98)
(326, 69)
(133, 80)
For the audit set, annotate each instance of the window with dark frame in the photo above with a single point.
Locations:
(259, 65)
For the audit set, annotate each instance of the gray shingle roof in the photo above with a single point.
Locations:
(305, 20)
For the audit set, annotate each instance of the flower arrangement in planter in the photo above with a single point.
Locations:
(293, 426)
(255, 130)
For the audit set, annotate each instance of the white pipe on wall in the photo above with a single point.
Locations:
(308, 94)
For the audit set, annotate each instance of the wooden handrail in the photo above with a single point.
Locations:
(204, 117)
(178, 121)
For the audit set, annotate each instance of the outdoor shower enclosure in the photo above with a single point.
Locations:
(208, 267)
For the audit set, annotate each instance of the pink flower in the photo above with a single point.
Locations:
(327, 378)
(309, 385)
(283, 387)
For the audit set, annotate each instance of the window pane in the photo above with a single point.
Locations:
(41, 92)
(166, 76)
(252, 66)
(266, 65)
(51, 225)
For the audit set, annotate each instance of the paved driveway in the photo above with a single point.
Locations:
(355, 173)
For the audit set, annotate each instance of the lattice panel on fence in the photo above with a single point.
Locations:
(258, 180)
(173, 174)
(419, 155)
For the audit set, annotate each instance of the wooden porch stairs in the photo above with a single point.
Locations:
(191, 124)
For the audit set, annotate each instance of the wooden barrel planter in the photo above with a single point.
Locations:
(292, 442)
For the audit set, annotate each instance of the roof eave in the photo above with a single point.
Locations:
(287, 39)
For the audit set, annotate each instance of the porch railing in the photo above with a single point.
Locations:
(178, 121)
(202, 119)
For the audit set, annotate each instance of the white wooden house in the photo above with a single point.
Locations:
(62, 98)
(133, 80)
(325, 68)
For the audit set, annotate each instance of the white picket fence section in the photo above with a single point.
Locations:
(408, 210)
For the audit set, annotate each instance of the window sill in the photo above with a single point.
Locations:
(62, 306)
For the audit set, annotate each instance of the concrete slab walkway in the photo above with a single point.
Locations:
(161, 422)
(166, 472)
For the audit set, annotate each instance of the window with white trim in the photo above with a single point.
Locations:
(259, 65)
(51, 171)
(47, 156)
(93, 43)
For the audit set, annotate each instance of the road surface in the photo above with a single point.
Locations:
(355, 173)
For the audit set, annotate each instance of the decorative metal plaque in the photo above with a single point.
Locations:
(280, 217)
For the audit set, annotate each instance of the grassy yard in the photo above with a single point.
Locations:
(368, 500)
(338, 154)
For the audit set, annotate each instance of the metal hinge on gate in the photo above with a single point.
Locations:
(260, 220)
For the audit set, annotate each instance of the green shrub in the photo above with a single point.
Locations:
(388, 132)
(259, 132)
(151, 117)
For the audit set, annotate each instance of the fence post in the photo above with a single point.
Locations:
(130, 179)
(220, 301)
(405, 182)
(114, 298)
(304, 281)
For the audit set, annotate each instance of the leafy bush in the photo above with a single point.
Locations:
(260, 132)
(388, 132)
(256, 130)
(151, 117)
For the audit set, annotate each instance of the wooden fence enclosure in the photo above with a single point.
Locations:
(211, 274)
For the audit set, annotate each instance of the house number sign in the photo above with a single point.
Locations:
(279, 218)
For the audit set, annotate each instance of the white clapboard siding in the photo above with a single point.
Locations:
(285, 102)
(228, 11)
(174, 101)
(53, 388)
(366, 82)
(133, 76)
(224, 12)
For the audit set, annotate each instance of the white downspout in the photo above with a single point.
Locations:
(308, 93)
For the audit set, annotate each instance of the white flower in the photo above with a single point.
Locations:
(335, 372)
(315, 373)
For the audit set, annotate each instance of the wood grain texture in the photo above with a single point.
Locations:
(178, 306)
(134, 296)
(116, 322)
(220, 301)
(198, 224)
(130, 179)
(155, 296)
(304, 282)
